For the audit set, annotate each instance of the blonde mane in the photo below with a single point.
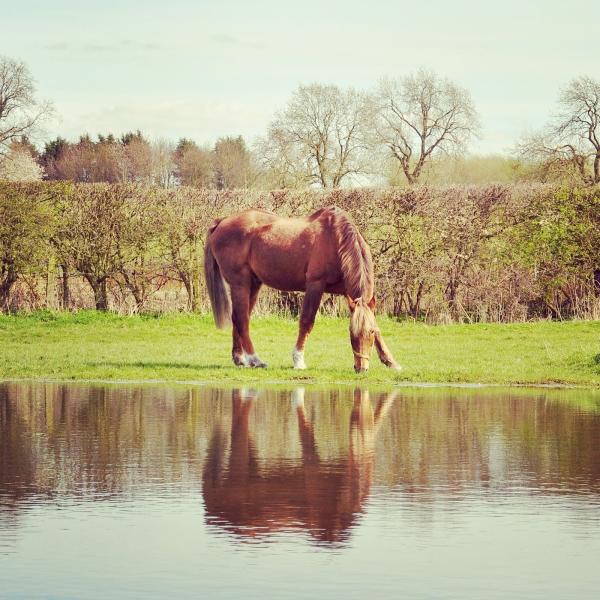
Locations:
(362, 319)
(355, 257)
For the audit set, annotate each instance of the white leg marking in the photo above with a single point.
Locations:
(298, 398)
(253, 360)
(247, 395)
(298, 358)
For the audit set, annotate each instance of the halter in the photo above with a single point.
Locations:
(364, 356)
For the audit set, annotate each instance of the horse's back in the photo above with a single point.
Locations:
(247, 221)
(252, 221)
(281, 252)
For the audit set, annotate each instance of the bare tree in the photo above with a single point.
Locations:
(163, 163)
(572, 139)
(320, 138)
(20, 112)
(421, 115)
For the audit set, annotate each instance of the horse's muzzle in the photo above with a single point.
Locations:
(361, 369)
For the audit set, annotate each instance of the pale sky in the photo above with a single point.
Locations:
(203, 69)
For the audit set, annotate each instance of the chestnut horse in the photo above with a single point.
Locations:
(317, 254)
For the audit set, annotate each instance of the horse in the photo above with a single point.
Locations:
(250, 497)
(321, 253)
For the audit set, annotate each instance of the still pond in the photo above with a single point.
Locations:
(197, 492)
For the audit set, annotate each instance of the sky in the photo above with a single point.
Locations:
(205, 69)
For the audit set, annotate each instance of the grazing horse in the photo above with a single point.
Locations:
(317, 254)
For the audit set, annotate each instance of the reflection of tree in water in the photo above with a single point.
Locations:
(324, 497)
(79, 442)
(93, 443)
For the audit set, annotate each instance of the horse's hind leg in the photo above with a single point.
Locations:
(243, 298)
(237, 353)
(310, 306)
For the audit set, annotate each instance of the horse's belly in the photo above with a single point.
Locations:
(280, 265)
(279, 275)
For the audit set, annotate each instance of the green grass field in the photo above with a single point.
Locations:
(94, 346)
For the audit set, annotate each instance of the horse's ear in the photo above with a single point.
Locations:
(372, 303)
(351, 303)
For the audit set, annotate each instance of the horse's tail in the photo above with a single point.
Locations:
(215, 283)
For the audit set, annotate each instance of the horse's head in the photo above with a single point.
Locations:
(363, 329)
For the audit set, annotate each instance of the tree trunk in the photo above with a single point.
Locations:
(66, 291)
(398, 304)
(100, 292)
(6, 286)
(196, 293)
(416, 307)
(134, 289)
(189, 288)
(138, 297)
(51, 291)
(451, 293)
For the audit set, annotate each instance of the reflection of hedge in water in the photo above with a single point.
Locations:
(457, 253)
(76, 440)
(459, 440)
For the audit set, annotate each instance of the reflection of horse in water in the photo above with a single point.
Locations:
(322, 497)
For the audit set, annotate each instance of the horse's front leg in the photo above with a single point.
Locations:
(310, 306)
(385, 356)
(310, 453)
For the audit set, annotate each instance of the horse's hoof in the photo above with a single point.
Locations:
(395, 367)
(239, 360)
(255, 362)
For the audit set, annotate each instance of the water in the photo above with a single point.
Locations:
(156, 492)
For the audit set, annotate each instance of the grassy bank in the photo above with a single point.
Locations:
(89, 345)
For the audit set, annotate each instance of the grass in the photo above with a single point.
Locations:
(88, 345)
